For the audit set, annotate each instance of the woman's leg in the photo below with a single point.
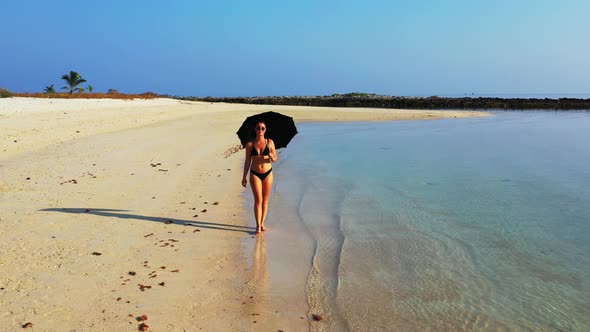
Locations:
(266, 189)
(256, 185)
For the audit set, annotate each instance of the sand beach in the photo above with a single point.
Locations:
(114, 209)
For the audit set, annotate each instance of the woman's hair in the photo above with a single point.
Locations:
(256, 124)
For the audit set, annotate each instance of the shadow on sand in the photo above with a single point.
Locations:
(113, 213)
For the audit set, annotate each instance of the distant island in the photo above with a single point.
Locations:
(353, 99)
(357, 99)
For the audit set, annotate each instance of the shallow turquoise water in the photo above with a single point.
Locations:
(462, 224)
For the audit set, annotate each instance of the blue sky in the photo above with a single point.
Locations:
(258, 48)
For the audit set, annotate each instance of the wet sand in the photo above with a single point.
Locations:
(115, 209)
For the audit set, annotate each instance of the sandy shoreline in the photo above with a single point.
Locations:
(101, 198)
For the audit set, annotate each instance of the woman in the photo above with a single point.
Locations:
(260, 152)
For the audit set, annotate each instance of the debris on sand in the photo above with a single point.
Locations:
(27, 325)
(143, 287)
(316, 317)
(96, 253)
(142, 318)
(144, 327)
(232, 150)
(90, 174)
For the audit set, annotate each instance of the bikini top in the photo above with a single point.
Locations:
(265, 152)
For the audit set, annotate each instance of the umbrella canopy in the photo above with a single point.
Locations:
(280, 128)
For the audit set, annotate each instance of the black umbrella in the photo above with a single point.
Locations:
(280, 128)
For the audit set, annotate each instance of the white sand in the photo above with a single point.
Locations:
(48, 274)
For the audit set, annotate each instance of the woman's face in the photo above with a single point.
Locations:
(260, 129)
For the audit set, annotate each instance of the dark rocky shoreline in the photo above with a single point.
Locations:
(375, 101)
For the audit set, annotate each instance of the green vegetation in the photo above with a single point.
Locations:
(4, 93)
(49, 89)
(353, 94)
(365, 100)
(73, 80)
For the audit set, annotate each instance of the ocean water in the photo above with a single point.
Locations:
(441, 225)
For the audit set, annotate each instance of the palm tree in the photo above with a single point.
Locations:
(73, 80)
(90, 88)
(49, 89)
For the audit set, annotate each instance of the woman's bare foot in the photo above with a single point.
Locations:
(264, 229)
(258, 230)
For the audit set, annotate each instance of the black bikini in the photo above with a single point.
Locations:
(261, 176)
(265, 152)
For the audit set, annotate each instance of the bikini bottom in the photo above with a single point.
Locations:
(261, 176)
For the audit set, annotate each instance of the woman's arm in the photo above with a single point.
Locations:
(273, 153)
(247, 163)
